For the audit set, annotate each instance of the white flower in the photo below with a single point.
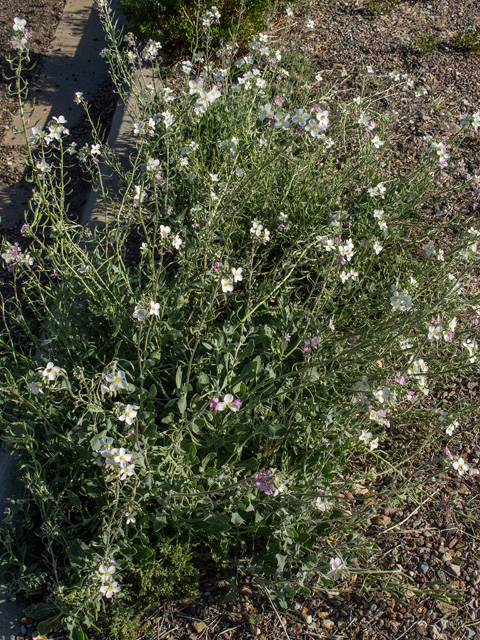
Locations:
(365, 436)
(164, 231)
(109, 589)
(256, 228)
(377, 247)
(313, 128)
(310, 24)
(127, 472)
(95, 149)
(237, 274)
(323, 504)
(373, 444)
(196, 86)
(282, 121)
(51, 371)
(37, 134)
(106, 572)
(43, 166)
(378, 191)
(139, 128)
(213, 95)
(472, 346)
(35, 387)
(346, 250)
(154, 308)
(229, 403)
(202, 102)
(460, 466)
(301, 117)
(168, 119)
(19, 24)
(139, 195)
(328, 243)
(130, 517)
(139, 313)
(130, 413)
(227, 285)
(116, 380)
(434, 332)
(451, 428)
(122, 457)
(429, 249)
(152, 164)
(362, 385)
(336, 568)
(377, 143)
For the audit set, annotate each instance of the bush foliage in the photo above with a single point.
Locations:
(176, 22)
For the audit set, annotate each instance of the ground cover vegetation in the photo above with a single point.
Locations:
(210, 375)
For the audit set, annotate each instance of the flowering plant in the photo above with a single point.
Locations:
(176, 396)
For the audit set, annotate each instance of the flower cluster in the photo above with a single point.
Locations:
(140, 313)
(168, 238)
(471, 120)
(209, 17)
(315, 124)
(117, 462)
(259, 231)
(322, 503)
(441, 150)
(378, 191)
(378, 215)
(435, 330)
(20, 34)
(109, 586)
(431, 250)
(418, 368)
(266, 482)
(205, 98)
(227, 283)
(151, 50)
(401, 300)
(368, 439)
(13, 256)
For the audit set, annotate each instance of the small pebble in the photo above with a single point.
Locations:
(424, 567)
(454, 570)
